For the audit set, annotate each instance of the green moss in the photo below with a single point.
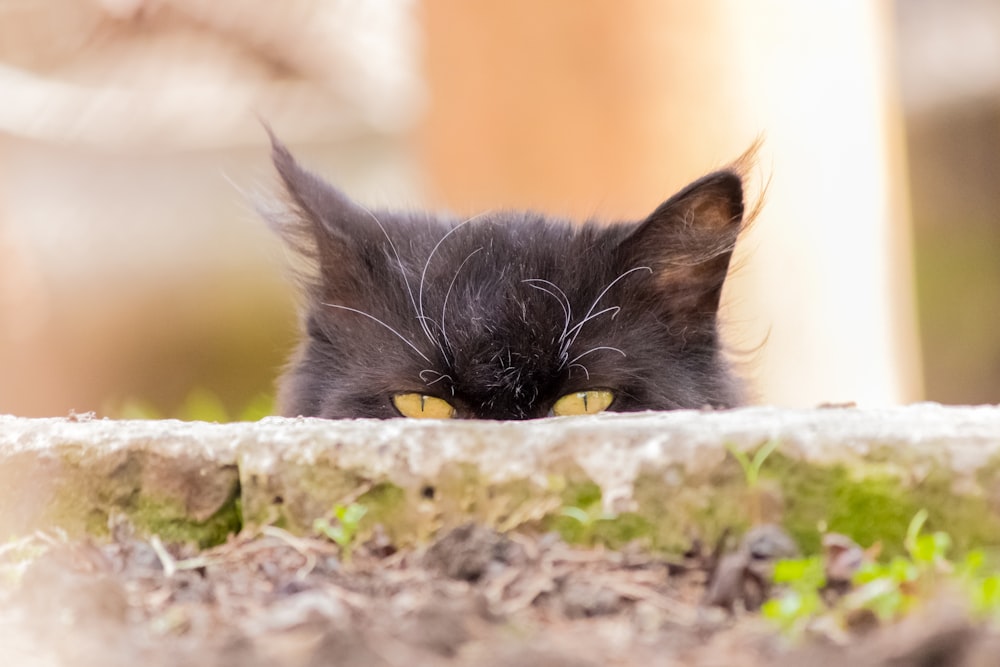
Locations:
(873, 503)
(580, 518)
(462, 493)
(584, 494)
(295, 495)
(387, 505)
(623, 528)
(84, 497)
(95, 522)
(88, 492)
(170, 521)
(680, 506)
(870, 500)
(988, 478)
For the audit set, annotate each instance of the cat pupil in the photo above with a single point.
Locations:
(495, 317)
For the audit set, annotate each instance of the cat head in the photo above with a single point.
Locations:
(506, 315)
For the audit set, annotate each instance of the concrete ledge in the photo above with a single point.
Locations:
(664, 476)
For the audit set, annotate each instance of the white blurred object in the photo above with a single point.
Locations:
(124, 125)
(182, 74)
(949, 51)
(827, 279)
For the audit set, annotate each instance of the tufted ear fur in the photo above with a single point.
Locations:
(331, 232)
(688, 242)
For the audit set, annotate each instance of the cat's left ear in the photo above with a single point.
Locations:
(688, 241)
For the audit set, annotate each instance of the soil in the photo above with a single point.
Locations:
(473, 597)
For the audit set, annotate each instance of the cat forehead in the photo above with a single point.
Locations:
(521, 231)
(521, 258)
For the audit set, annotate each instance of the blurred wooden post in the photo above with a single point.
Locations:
(591, 108)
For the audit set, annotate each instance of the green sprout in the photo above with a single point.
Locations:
(803, 578)
(345, 529)
(751, 473)
(888, 590)
(751, 467)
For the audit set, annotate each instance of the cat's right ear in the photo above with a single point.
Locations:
(319, 222)
(317, 215)
(687, 243)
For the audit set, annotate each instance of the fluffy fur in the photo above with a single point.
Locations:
(504, 313)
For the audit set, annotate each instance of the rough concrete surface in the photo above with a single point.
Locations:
(670, 471)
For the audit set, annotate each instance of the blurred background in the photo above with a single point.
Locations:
(135, 277)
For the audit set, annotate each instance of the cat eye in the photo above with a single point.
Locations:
(583, 403)
(422, 406)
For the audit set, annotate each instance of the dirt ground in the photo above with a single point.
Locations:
(473, 597)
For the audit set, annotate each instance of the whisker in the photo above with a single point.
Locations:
(564, 352)
(561, 298)
(576, 328)
(423, 273)
(585, 371)
(447, 294)
(399, 261)
(421, 318)
(595, 349)
(372, 317)
(440, 376)
(612, 284)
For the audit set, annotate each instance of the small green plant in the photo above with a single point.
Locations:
(751, 466)
(751, 474)
(585, 522)
(983, 587)
(18, 553)
(888, 590)
(803, 578)
(892, 589)
(344, 528)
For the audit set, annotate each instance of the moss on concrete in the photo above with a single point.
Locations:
(462, 493)
(399, 515)
(874, 503)
(79, 496)
(871, 501)
(679, 506)
(172, 523)
(293, 495)
(870, 491)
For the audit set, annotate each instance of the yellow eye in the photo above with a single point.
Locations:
(583, 403)
(422, 406)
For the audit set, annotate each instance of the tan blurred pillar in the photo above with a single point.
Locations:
(606, 108)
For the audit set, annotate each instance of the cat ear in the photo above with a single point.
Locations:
(321, 211)
(687, 242)
(321, 223)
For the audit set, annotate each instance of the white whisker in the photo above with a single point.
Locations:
(421, 318)
(423, 273)
(561, 298)
(399, 262)
(444, 306)
(576, 328)
(564, 352)
(595, 349)
(585, 371)
(612, 284)
(372, 317)
(440, 376)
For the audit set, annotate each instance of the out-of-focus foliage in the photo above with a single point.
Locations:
(888, 590)
(199, 405)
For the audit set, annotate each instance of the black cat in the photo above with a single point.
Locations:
(507, 315)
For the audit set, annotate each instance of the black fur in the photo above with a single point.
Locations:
(475, 311)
